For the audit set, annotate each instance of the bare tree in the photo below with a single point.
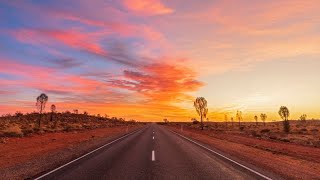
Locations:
(239, 117)
(201, 107)
(263, 118)
(53, 110)
(42, 99)
(256, 119)
(284, 114)
(75, 111)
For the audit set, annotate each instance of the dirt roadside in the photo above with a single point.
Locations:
(22, 158)
(284, 159)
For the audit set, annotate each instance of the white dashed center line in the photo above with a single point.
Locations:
(153, 156)
(152, 137)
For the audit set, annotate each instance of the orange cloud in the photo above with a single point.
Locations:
(147, 7)
(161, 83)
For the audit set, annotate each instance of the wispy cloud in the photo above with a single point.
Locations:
(147, 7)
(65, 63)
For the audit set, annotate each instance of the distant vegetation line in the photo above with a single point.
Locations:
(200, 105)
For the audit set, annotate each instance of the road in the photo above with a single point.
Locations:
(153, 152)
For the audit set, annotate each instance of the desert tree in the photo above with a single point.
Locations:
(231, 121)
(53, 110)
(165, 120)
(303, 117)
(75, 111)
(239, 117)
(284, 114)
(256, 119)
(226, 119)
(200, 105)
(263, 118)
(42, 99)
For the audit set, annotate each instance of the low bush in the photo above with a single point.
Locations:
(13, 134)
(265, 131)
(27, 131)
(195, 122)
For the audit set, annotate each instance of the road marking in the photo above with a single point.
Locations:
(152, 137)
(52, 171)
(153, 156)
(225, 157)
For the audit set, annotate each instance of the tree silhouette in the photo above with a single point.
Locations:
(41, 104)
(303, 117)
(239, 117)
(165, 120)
(201, 107)
(226, 119)
(75, 111)
(53, 110)
(284, 114)
(256, 119)
(231, 121)
(263, 118)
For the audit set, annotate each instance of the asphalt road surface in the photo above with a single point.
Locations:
(153, 152)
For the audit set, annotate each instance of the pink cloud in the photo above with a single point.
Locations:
(47, 79)
(76, 39)
(147, 7)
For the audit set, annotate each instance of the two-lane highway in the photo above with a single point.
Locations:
(151, 153)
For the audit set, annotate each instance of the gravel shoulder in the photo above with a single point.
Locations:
(284, 159)
(23, 158)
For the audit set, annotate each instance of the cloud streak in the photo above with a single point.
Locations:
(147, 7)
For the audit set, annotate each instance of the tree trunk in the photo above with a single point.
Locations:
(39, 120)
(201, 123)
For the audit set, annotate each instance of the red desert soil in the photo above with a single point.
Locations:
(18, 151)
(287, 160)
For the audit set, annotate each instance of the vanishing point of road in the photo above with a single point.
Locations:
(153, 152)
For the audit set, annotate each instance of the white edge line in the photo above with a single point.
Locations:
(56, 169)
(235, 162)
(153, 156)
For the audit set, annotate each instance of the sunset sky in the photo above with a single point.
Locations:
(149, 59)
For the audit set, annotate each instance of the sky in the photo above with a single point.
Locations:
(149, 59)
